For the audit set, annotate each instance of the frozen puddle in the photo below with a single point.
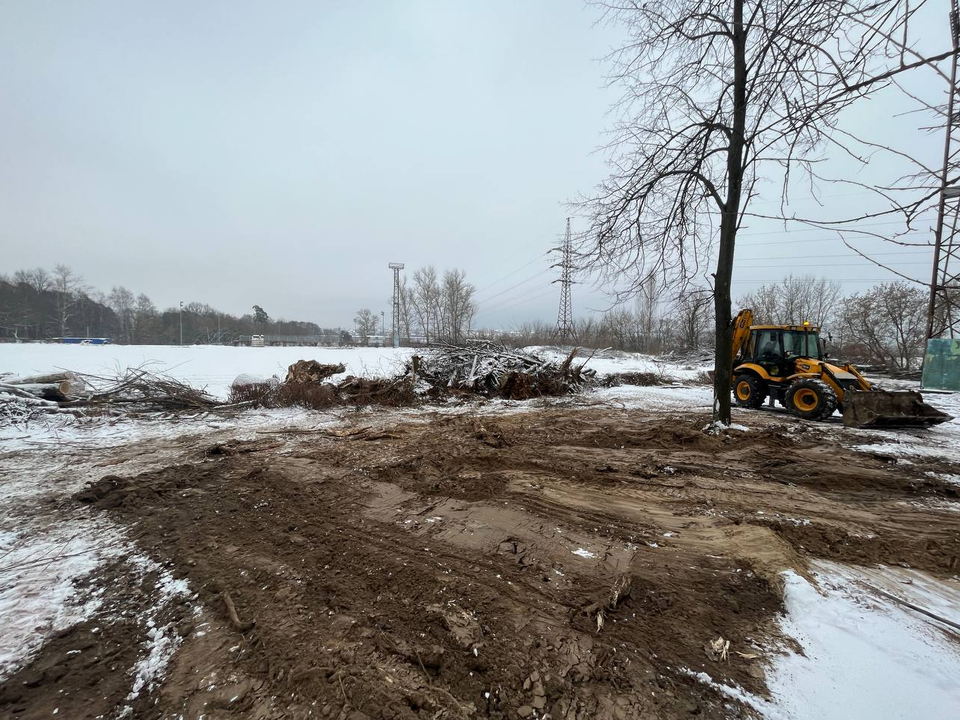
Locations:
(867, 656)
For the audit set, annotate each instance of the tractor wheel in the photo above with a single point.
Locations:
(749, 391)
(811, 399)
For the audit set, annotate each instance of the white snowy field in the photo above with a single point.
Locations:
(211, 366)
(215, 367)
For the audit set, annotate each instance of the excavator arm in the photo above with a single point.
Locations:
(741, 331)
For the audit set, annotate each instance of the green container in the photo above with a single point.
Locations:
(941, 364)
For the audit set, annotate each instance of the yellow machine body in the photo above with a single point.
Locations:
(786, 364)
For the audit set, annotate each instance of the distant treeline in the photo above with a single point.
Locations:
(39, 305)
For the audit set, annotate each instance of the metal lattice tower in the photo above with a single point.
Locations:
(396, 267)
(943, 312)
(565, 331)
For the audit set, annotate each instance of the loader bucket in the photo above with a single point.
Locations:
(884, 409)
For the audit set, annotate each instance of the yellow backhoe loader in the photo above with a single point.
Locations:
(786, 364)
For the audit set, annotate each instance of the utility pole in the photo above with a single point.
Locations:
(943, 311)
(565, 331)
(383, 328)
(181, 323)
(396, 267)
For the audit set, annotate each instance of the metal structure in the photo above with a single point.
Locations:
(565, 331)
(396, 267)
(943, 311)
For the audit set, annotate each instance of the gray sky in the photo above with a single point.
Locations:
(283, 153)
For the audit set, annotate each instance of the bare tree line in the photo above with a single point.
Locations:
(881, 327)
(37, 304)
(433, 308)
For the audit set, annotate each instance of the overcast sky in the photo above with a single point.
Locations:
(283, 153)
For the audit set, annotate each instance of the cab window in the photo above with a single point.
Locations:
(800, 344)
(767, 345)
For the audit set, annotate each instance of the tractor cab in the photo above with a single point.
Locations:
(777, 348)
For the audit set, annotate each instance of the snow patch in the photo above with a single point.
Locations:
(866, 656)
(162, 640)
(38, 570)
(584, 553)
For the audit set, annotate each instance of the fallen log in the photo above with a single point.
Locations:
(41, 379)
(19, 392)
(48, 391)
(31, 400)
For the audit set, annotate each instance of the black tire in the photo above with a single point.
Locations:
(749, 391)
(811, 399)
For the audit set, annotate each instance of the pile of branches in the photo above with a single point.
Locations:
(494, 370)
(144, 390)
(640, 379)
(486, 369)
(134, 389)
(307, 385)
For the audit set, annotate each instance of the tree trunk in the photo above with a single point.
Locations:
(723, 359)
(49, 378)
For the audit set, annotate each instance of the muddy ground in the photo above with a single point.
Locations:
(562, 562)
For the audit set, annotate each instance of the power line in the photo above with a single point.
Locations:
(510, 306)
(841, 255)
(819, 228)
(832, 239)
(512, 301)
(512, 273)
(834, 264)
(837, 280)
(513, 287)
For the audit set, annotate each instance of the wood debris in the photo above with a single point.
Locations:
(494, 370)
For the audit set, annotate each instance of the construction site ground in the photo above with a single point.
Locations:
(577, 558)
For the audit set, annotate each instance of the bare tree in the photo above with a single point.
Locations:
(122, 302)
(366, 323)
(67, 285)
(648, 317)
(886, 325)
(40, 280)
(144, 318)
(425, 300)
(794, 300)
(406, 310)
(457, 305)
(692, 311)
(716, 93)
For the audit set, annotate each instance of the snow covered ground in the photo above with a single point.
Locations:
(215, 367)
(866, 656)
(607, 362)
(863, 655)
(210, 366)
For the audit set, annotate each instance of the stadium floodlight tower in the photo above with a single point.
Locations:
(396, 267)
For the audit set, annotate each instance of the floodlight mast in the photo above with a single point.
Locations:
(396, 267)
